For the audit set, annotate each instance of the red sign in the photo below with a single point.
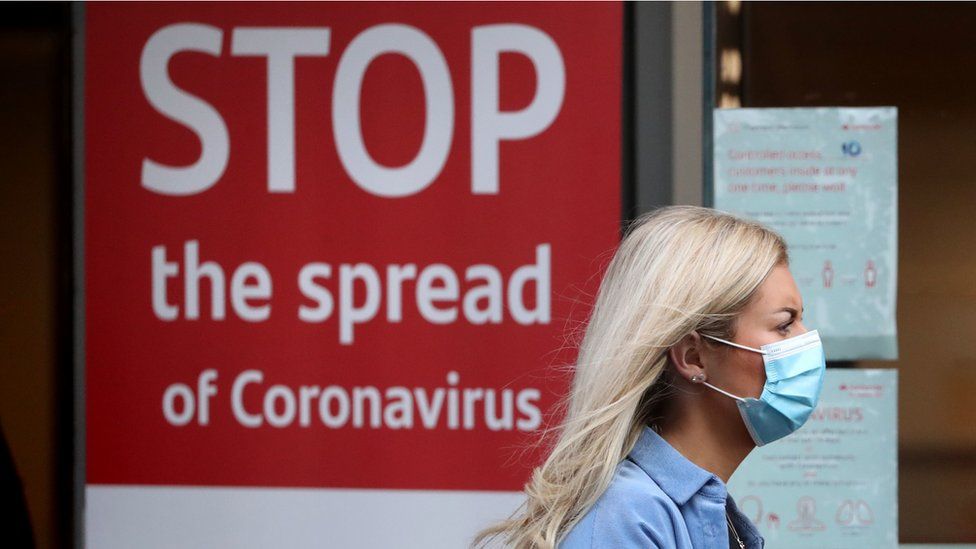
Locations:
(336, 244)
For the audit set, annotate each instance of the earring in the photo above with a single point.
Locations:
(698, 378)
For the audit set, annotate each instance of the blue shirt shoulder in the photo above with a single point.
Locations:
(633, 512)
(658, 498)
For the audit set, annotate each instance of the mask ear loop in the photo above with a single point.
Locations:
(730, 395)
(726, 393)
(760, 351)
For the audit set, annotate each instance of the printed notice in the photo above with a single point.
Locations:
(826, 179)
(834, 482)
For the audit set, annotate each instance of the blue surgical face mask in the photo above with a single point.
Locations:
(794, 376)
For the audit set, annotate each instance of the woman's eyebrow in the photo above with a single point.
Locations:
(793, 312)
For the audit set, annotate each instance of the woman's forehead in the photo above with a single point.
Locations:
(777, 292)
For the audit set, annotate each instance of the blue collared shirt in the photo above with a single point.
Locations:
(658, 498)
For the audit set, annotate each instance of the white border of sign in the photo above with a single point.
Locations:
(165, 516)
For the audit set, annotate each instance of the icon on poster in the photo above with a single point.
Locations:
(806, 521)
(854, 513)
(870, 274)
(851, 148)
(828, 274)
(752, 507)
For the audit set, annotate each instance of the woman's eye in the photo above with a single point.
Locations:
(785, 328)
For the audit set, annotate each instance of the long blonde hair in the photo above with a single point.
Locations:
(678, 269)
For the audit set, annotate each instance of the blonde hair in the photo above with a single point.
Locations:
(678, 269)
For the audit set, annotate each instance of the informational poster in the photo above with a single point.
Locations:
(827, 180)
(330, 255)
(834, 482)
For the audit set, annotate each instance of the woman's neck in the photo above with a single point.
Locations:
(708, 432)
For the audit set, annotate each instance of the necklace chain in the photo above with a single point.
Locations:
(734, 533)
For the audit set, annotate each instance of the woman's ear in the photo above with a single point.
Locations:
(686, 357)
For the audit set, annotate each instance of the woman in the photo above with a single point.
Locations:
(694, 354)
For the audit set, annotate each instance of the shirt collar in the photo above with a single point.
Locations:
(746, 529)
(678, 477)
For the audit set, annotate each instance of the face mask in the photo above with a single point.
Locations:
(794, 376)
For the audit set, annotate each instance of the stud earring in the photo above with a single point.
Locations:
(698, 378)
